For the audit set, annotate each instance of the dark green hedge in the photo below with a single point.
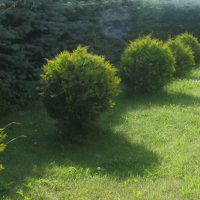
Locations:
(33, 30)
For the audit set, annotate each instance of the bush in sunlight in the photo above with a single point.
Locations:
(183, 56)
(192, 42)
(77, 86)
(147, 65)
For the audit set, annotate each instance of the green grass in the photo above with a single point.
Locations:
(147, 148)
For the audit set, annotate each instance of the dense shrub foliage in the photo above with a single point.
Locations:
(147, 65)
(25, 40)
(190, 41)
(77, 86)
(2, 146)
(32, 30)
(183, 56)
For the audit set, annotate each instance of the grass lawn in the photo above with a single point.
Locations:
(147, 148)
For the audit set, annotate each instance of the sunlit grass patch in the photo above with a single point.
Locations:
(145, 148)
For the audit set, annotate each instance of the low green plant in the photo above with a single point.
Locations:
(192, 42)
(2, 137)
(77, 86)
(183, 56)
(22, 192)
(147, 65)
(2, 146)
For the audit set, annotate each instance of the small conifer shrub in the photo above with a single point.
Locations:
(147, 65)
(183, 56)
(77, 86)
(192, 42)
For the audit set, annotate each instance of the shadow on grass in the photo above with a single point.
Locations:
(129, 103)
(163, 98)
(107, 150)
(29, 157)
(194, 79)
(193, 76)
(112, 154)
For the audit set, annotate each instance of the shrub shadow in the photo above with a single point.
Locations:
(163, 98)
(105, 152)
(112, 154)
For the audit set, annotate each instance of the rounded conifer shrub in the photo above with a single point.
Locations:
(184, 59)
(192, 42)
(77, 86)
(147, 65)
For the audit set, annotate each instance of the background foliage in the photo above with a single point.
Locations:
(32, 30)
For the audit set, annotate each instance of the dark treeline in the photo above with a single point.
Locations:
(32, 30)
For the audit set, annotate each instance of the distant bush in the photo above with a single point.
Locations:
(183, 56)
(77, 86)
(147, 65)
(2, 146)
(192, 42)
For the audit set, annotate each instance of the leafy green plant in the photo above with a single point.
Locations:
(2, 146)
(183, 56)
(192, 42)
(22, 192)
(147, 65)
(77, 86)
(3, 135)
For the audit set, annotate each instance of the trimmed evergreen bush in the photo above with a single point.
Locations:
(183, 56)
(192, 42)
(147, 65)
(77, 86)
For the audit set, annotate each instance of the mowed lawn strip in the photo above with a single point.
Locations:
(146, 148)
